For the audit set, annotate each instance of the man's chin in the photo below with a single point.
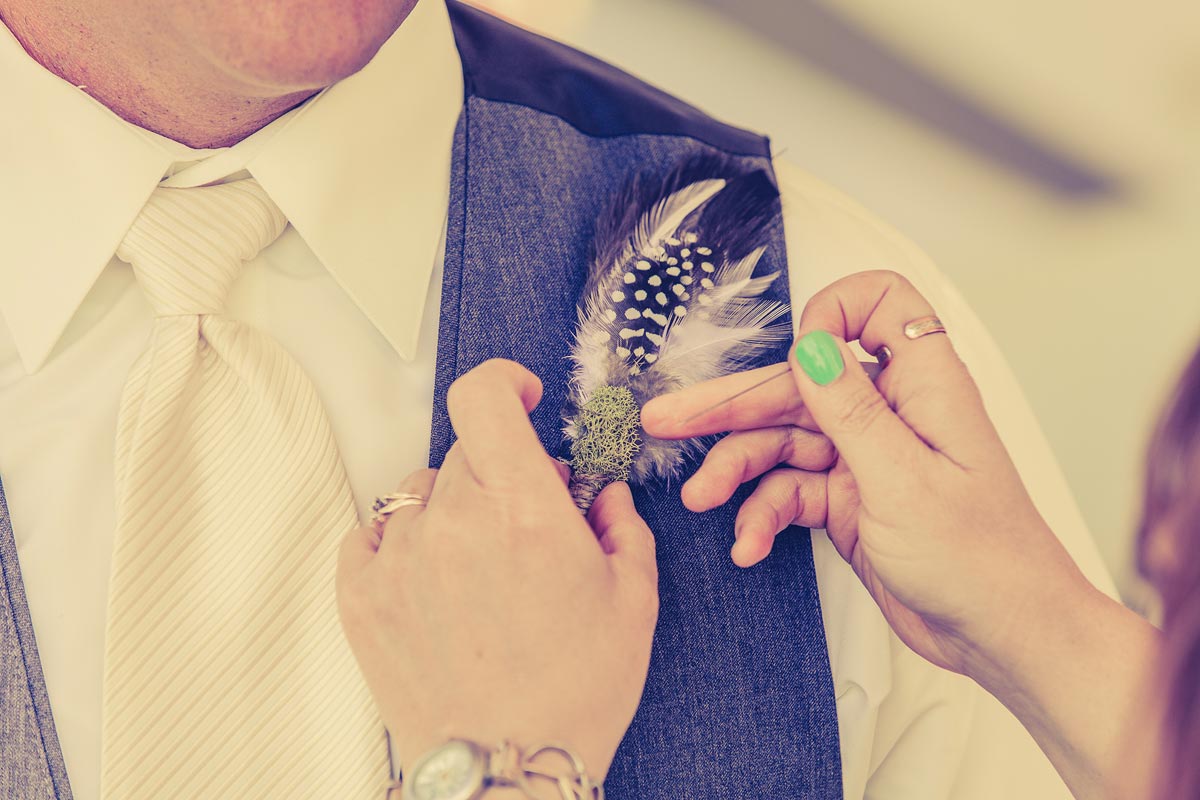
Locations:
(278, 78)
(307, 52)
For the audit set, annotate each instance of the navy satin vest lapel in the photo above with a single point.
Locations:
(739, 701)
(31, 762)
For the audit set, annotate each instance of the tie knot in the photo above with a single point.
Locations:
(187, 246)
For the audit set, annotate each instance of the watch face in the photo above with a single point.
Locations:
(452, 772)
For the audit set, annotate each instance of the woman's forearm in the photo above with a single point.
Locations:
(1075, 673)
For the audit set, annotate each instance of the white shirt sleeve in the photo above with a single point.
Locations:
(909, 729)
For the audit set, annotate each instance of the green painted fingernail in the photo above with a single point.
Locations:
(820, 357)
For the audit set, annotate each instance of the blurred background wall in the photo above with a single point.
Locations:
(1047, 155)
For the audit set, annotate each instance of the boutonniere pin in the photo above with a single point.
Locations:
(671, 300)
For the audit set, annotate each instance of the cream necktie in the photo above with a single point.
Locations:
(226, 673)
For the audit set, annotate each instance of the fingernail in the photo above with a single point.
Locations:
(649, 412)
(743, 553)
(820, 357)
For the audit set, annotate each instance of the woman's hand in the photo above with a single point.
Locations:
(920, 496)
(922, 500)
(497, 612)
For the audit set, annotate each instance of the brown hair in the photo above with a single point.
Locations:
(1169, 555)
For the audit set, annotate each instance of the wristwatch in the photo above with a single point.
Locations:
(457, 770)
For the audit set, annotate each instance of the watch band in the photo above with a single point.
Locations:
(508, 766)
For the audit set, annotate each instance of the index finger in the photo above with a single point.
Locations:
(872, 308)
(489, 408)
(925, 382)
(757, 398)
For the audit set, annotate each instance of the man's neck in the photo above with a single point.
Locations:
(190, 101)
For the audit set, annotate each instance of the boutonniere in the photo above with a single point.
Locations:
(671, 300)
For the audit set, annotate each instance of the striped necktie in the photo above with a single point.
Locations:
(226, 673)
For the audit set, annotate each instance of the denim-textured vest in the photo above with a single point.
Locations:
(739, 702)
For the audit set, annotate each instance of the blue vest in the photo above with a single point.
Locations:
(739, 701)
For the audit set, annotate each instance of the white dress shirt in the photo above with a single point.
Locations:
(351, 290)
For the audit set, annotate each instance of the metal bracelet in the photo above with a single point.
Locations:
(574, 786)
(509, 767)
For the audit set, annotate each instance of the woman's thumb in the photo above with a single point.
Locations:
(623, 534)
(849, 409)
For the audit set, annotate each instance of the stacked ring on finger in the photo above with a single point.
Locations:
(389, 504)
(913, 329)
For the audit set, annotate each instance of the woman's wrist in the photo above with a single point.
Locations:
(1070, 664)
(1049, 622)
(1040, 614)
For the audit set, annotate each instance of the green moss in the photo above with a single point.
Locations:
(609, 439)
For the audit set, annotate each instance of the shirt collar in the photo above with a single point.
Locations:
(357, 170)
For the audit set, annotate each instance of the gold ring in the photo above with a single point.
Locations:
(915, 329)
(923, 326)
(389, 504)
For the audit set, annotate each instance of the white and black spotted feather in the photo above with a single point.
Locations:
(671, 297)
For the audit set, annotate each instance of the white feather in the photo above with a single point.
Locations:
(664, 219)
(745, 289)
(593, 350)
(739, 271)
(698, 348)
